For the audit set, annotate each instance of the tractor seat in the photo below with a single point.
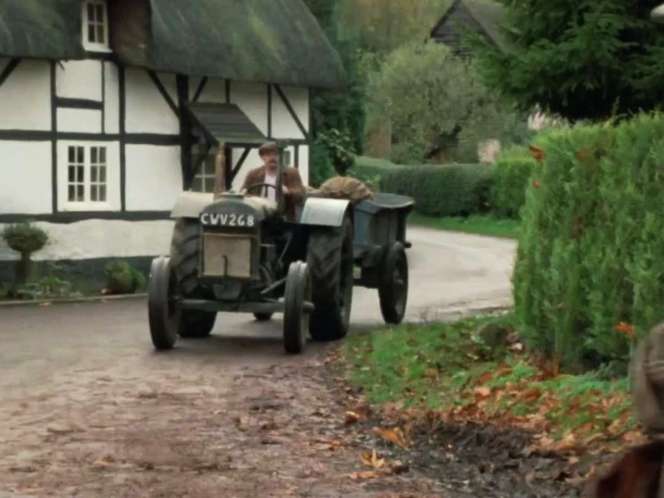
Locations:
(268, 207)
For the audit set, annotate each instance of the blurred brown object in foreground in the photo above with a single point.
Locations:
(636, 475)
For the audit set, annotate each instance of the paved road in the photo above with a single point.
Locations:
(86, 405)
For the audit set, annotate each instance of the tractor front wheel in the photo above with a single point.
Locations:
(163, 309)
(296, 317)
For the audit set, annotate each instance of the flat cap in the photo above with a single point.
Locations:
(268, 147)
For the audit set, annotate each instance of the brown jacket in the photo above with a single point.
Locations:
(291, 180)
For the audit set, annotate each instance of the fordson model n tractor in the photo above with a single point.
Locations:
(240, 253)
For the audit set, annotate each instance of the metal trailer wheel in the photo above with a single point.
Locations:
(393, 288)
(196, 324)
(330, 263)
(296, 318)
(163, 311)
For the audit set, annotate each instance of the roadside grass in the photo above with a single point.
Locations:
(447, 371)
(475, 224)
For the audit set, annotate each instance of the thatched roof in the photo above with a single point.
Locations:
(41, 29)
(483, 16)
(276, 41)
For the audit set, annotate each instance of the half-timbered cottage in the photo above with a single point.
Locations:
(110, 108)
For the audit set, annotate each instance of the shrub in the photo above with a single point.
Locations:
(449, 190)
(370, 170)
(510, 180)
(25, 239)
(122, 278)
(321, 167)
(589, 275)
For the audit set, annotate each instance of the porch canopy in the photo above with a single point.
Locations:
(225, 124)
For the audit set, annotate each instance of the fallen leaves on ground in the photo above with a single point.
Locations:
(394, 435)
(371, 459)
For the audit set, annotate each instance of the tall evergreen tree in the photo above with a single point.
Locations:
(581, 59)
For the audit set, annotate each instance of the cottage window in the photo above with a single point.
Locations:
(86, 177)
(95, 25)
(204, 180)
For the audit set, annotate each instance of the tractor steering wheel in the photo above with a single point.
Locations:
(262, 185)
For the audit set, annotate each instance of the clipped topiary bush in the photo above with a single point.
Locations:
(448, 190)
(25, 239)
(122, 278)
(589, 275)
(511, 173)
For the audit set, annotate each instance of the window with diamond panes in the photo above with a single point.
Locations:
(76, 174)
(98, 174)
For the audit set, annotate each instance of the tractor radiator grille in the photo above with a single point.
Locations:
(227, 255)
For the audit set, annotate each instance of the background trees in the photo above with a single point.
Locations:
(437, 106)
(581, 59)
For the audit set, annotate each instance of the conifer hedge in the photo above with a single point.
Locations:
(589, 275)
(447, 190)
(511, 173)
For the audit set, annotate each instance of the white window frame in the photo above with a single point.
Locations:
(206, 175)
(88, 185)
(95, 46)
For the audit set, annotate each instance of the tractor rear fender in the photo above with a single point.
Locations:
(324, 212)
(191, 204)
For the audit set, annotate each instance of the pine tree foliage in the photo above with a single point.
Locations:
(581, 59)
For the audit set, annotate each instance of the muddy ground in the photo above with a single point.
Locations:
(88, 409)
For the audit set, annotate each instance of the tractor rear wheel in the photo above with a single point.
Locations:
(196, 324)
(163, 309)
(393, 288)
(185, 251)
(330, 263)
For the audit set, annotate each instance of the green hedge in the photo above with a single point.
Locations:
(591, 252)
(448, 190)
(510, 180)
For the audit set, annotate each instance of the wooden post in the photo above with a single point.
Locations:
(219, 171)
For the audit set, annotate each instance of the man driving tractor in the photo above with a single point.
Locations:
(262, 181)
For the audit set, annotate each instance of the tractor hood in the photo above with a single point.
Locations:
(194, 204)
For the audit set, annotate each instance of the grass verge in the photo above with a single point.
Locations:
(475, 224)
(449, 371)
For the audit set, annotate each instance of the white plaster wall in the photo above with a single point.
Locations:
(147, 110)
(213, 92)
(79, 120)
(112, 98)
(283, 124)
(253, 161)
(304, 163)
(252, 99)
(154, 177)
(113, 194)
(79, 79)
(25, 177)
(100, 239)
(25, 97)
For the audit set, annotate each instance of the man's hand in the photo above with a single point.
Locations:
(285, 190)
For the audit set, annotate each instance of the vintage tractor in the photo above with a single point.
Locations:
(240, 253)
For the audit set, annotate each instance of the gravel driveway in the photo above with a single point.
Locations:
(87, 408)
